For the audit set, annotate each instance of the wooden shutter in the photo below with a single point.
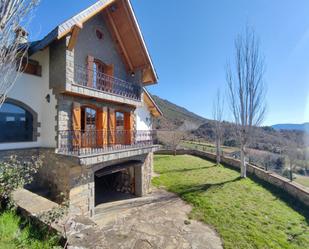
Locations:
(112, 126)
(90, 61)
(105, 126)
(101, 126)
(128, 121)
(76, 125)
(109, 70)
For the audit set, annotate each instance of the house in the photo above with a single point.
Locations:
(81, 103)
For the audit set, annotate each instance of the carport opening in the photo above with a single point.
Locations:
(114, 185)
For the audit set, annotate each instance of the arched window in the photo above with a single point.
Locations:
(16, 123)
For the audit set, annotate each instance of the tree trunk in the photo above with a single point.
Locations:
(243, 164)
(218, 152)
(291, 173)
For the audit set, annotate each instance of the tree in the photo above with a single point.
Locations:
(171, 139)
(246, 89)
(13, 49)
(217, 116)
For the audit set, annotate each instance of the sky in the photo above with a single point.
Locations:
(191, 42)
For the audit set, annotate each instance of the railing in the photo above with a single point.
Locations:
(105, 83)
(94, 142)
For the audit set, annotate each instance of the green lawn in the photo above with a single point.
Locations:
(15, 234)
(303, 180)
(246, 213)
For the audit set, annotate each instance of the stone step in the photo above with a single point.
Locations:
(118, 206)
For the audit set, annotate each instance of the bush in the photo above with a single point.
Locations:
(15, 174)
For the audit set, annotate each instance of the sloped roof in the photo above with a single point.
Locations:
(152, 105)
(66, 27)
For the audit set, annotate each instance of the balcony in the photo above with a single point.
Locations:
(89, 143)
(97, 84)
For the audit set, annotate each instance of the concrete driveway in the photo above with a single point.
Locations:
(155, 221)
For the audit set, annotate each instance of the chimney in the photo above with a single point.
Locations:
(21, 35)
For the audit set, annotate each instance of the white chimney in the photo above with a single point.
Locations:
(21, 35)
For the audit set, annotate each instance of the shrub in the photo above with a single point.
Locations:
(15, 174)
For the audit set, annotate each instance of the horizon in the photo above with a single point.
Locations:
(190, 56)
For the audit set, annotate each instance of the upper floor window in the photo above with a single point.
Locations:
(99, 34)
(16, 124)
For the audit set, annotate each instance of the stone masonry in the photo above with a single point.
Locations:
(65, 175)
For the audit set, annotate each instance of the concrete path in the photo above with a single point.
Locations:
(157, 221)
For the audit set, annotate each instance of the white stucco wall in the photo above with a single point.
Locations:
(143, 118)
(32, 90)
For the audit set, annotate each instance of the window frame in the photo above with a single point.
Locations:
(35, 123)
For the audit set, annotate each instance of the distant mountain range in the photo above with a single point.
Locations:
(292, 127)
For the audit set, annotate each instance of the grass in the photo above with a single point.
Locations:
(208, 147)
(246, 213)
(303, 180)
(16, 233)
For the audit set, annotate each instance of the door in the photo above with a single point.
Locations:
(88, 127)
(120, 132)
(103, 76)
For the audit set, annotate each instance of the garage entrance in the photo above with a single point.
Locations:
(114, 183)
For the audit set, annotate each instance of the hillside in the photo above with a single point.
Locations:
(176, 117)
(196, 127)
(295, 127)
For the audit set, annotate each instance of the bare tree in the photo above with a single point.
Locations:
(13, 48)
(246, 89)
(171, 138)
(217, 116)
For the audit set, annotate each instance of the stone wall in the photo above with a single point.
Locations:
(53, 176)
(64, 174)
(294, 189)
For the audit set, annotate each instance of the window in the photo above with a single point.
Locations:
(88, 119)
(16, 124)
(99, 34)
(119, 121)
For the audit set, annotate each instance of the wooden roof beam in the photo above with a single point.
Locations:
(118, 37)
(74, 35)
(137, 38)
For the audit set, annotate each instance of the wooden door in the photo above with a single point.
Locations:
(88, 127)
(120, 131)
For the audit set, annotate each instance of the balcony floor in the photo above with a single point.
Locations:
(98, 155)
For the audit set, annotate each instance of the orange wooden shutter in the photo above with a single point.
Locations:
(105, 126)
(110, 72)
(99, 126)
(112, 126)
(90, 61)
(128, 127)
(76, 124)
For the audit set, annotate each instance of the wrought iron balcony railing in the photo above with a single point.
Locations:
(106, 83)
(82, 143)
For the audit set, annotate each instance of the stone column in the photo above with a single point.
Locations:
(143, 176)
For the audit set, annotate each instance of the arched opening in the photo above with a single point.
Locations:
(16, 122)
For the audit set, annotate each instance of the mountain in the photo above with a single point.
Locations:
(290, 127)
(196, 127)
(176, 117)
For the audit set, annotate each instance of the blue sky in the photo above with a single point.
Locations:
(191, 41)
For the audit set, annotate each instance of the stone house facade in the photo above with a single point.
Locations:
(81, 103)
